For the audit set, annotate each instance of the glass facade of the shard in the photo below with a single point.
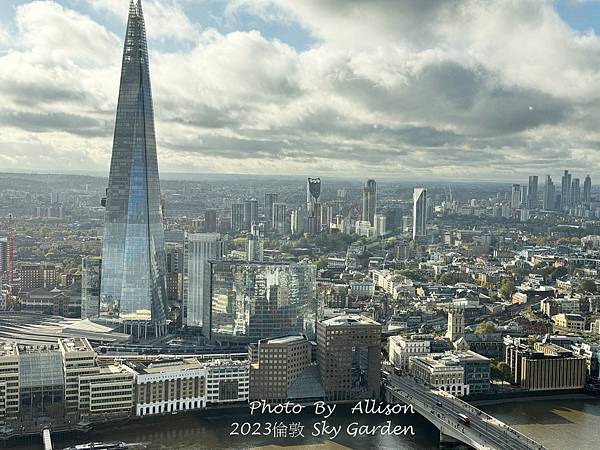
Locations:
(133, 285)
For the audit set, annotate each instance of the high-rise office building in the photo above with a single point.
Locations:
(369, 201)
(295, 221)
(174, 272)
(549, 194)
(349, 356)
(199, 249)
(250, 213)
(419, 212)
(532, 193)
(133, 286)
(210, 221)
(278, 219)
(313, 207)
(3, 258)
(515, 196)
(252, 301)
(237, 216)
(565, 191)
(326, 217)
(91, 267)
(587, 190)
(270, 199)
(575, 192)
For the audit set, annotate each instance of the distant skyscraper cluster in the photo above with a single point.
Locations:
(570, 196)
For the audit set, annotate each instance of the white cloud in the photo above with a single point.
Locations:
(429, 88)
(165, 18)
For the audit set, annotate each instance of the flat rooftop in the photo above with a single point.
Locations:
(8, 349)
(286, 339)
(168, 365)
(349, 319)
(74, 345)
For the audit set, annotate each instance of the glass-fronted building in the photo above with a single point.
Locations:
(133, 285)
(251, 301)
(41, 384)
(91, 267)
(199, 248)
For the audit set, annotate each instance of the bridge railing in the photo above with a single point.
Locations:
(467, 406)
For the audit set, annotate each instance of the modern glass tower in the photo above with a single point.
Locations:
(133, 284)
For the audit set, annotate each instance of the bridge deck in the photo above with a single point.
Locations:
(442, 409)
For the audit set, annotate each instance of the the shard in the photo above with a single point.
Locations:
(133, 284)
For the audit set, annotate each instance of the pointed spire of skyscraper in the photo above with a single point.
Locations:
(133, 286)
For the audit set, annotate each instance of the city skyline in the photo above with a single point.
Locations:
(303, 108)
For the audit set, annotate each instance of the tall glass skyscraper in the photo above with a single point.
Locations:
(133, 286)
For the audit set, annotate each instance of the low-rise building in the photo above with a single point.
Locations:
(279, 368)
(570, 322)
(79, 358)
(545, 367)
(169, 386)
(440, 372)
(227, 381)
(107, 393)
(402, 348)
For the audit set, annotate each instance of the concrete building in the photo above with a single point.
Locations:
(107, 392)
(369, 205)
(402, 348)
(545, 367)
(477, 370)
(79, 358)
(9, 380)
(279, 218)
(349, 356)
(441, 372)
(570, 322)
(276, 365)
(169, 386)
(227, 381)
(35, 275)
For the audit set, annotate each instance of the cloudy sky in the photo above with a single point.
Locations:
(428, 89)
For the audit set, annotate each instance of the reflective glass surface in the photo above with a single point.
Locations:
(133, 283)
(251, 301)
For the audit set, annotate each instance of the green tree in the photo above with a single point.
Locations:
(448, 278)
(505, 369)
(559, 272)
(322, 263)
(587, 286)
(486, 327)
(507, 288)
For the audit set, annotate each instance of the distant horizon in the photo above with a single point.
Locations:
(191, 176)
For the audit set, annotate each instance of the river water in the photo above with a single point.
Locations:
(558, 424)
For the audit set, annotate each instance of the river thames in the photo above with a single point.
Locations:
(558, 424)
